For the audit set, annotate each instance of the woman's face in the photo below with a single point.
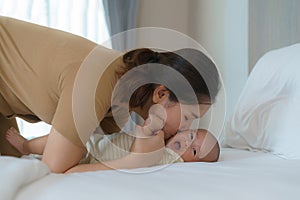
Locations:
(181, 116)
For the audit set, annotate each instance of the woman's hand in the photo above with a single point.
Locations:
(88, 167)
(131, 161)
(77, 168)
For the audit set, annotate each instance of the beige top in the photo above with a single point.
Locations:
(38, 66)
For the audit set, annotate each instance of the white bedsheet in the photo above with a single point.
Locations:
(16, 173)
(238, 175)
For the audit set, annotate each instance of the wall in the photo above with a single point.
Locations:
(236, 50)
(273, 24)
(171, 14)
(207, 27)
(222, 28)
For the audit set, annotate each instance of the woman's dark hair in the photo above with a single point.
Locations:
(199, 70)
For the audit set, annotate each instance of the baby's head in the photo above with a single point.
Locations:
(195, 146)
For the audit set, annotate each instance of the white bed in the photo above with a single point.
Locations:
(239, 174)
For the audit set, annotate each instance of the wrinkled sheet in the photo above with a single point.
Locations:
(16, 173)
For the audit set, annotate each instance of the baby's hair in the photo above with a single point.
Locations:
(215, 152)
(213, 147)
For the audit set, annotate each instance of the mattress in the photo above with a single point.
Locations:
(239, 174)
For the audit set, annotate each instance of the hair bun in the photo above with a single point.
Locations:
(156, 57)
(142, 56)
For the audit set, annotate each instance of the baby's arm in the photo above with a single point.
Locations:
(155, 122)
(148, 144)
(150, 137)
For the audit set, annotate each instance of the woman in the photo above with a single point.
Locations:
(39, 66)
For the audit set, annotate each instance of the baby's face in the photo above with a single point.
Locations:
(187, 144)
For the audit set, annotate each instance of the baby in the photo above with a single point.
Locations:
(186, 146)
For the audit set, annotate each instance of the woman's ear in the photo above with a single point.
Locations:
(160, 94)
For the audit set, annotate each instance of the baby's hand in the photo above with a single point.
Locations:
(155, 121)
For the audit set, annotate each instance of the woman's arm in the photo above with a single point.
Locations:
(60, 154)
(145, 152)
(133, 160)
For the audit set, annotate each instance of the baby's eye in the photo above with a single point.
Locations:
(195, 152)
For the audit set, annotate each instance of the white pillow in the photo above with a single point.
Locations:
(267, 115)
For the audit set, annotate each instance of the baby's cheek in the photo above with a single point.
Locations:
(185, 156)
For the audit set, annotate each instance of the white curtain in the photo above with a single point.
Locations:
(80, 17)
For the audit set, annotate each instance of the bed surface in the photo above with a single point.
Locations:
(238, 175)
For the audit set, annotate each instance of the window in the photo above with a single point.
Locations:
(80, 17)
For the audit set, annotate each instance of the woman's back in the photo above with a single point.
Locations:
(35, 61)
